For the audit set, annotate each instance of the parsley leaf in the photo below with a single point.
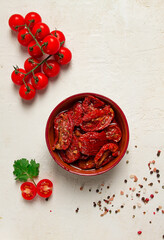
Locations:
(23, 169)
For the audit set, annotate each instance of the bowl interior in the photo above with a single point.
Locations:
(68, 103)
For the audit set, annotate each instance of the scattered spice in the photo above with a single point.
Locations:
(158, 153)
(133, 189)
(163, 211)
(151, 172)
(139, 205)
(163, 187)
(127, 195)
(125, 181)
(133, 216)
(97, 190)
(150, 222)
(160, 207)
(159, 181)
(145, 178)
(108, 197)
(134, 207)
(144, 213)
(141, 186)
(156, 192)
(81, 188)
(127, 152)
(137, 194)
(127, 161)
(94, 204)
(157, 209)
(50, 210)
(122, 206)
(154, 170)
(46, 199)
(150, 184)
(77, 209)
(147, 200)
(152, 195)
(108, 187)
(157, 170)
(135, 146)
(134, 177)
(121, 193)
(139, 232)
(158, 175)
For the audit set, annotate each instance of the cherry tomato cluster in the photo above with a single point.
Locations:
(43, 189)
(39, 40)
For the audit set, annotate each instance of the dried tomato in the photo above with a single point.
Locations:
(113, 132)
(104, 153)
(91, 102)
(91, 142)
(102, 119)
(77, 114)
(63, 126)
(86, 164)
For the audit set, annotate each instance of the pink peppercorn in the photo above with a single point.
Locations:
(139, 232)
(152, 196)
(147, 200)
(154, 213)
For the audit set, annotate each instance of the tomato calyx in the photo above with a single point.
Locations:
(61, 55)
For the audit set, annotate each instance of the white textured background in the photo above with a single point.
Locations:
(118, 51)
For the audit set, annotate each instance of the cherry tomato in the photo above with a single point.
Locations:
(60, 36)
(34, 50)
(24, 38)
(40, 30)
(32, 18)
(28, 92)
(18, 75)
(28, 190)
(50, 44)
(40, 81)
(31, 63)
(16, 20)
(64, 56)
(51, 68)
(44, 188)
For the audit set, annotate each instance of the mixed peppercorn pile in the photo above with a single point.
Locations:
(87, 134)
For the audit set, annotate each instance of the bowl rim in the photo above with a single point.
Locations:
(82, 95)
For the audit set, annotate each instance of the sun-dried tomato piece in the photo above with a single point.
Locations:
(86, 164)
(99, 119)
(107, 160)
(77, 114)
(91, 142)
(63, 126)
(104, 153)
(91, 102)
(113, 132)
(72, 153)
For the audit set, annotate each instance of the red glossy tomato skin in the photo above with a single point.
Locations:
(17, 78)
(34, 51)
(35, 17)
(44, 188)
(40, 82)
(28, 190)
(24, 38)
(15, 20)
(59, 35)
(52, 44)
(64, 56)
(27, 94)
(54, 69)
(31, 63)
(40, 30)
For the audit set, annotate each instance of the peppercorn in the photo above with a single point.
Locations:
(139, 232)
(158, 175)
(151, 172)
(125, 181)
(157, 171)
(134, 207)
(97, 190)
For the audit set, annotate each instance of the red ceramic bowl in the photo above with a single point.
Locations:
(69, 102)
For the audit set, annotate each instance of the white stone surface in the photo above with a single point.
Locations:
(118, 51)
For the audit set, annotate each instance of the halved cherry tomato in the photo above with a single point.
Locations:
(64, 56)
(28, 190)
(44, 188)
(60, 36)
(16, 20)
(51, 68)
(24, 38)
(40, 30)
(32, 18)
